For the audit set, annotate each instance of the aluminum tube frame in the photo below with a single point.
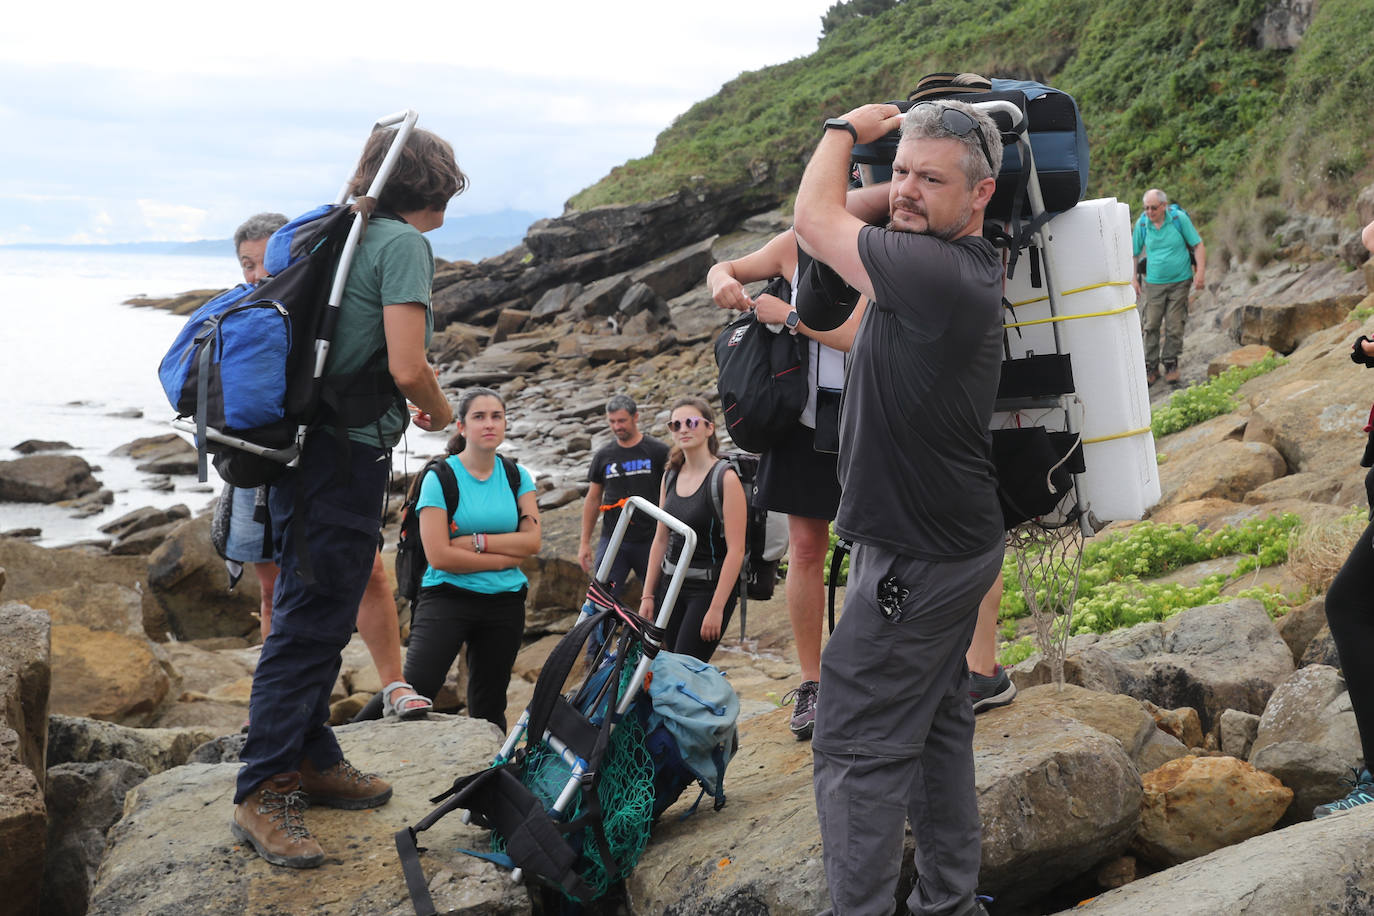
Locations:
(573, 785)
(1020, 126)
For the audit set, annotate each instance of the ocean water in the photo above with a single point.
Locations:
(74, 360)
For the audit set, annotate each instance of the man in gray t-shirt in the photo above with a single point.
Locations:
(894, 725)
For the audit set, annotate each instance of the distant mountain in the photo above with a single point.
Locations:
(469, 237)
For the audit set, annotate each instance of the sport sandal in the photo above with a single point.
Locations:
(400, 700)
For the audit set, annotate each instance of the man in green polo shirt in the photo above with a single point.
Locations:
(1165, 239)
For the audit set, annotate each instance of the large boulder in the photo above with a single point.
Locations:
(1210, 658)
(32, 571)
(1196, 805)
(45, 479)
(1121, 717)
(84, 800)
(23, 830)
(1308, 738)
(105, 675)
(173, 852)
(165, 454)
(1284, 327)
(1228, 470)
(188, 580)
(72, 739)
(1056, 797)
(1322, 866)
(24, 680)
(104, 666)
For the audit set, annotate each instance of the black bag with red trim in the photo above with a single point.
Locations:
(763, 378)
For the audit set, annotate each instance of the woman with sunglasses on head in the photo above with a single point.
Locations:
(473, 593)
(711, 585)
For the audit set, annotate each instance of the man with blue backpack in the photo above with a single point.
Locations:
(1171, 257)
(328, 509)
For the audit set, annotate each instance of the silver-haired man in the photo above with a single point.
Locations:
(894, 726)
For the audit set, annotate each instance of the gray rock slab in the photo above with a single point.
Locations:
(173, 851)
(1211, 658)
(1318, 867)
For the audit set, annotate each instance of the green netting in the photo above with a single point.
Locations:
(625, 789)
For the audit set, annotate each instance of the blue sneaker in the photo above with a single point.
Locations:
(1362, 793)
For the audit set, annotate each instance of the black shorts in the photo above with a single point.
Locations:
(796, 479)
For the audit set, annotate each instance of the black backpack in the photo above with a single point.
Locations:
(763, 378)
(410, 552)
(757, 576)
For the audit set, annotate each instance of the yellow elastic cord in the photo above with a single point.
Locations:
(1070, 292)
(1120, 311)
(1125, 435)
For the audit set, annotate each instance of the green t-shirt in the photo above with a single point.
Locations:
(393, 264)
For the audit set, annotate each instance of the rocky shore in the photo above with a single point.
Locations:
(1176, 769)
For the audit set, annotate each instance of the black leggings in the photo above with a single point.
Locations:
(445, 619)
(1350, 613)
(684, 624)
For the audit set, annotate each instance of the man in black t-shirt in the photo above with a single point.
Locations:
(894, 726)
(632, 465)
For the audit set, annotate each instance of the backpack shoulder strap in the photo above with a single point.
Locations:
(717, 480)
(513, 478)
(512, 474)
(449, 482)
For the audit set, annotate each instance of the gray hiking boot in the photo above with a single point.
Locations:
(804, 715)
(990, 692)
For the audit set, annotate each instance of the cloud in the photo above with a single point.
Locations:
(167, 125)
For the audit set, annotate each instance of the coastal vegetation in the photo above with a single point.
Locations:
(1119, 583)
(1207, 399)
(1176, 94)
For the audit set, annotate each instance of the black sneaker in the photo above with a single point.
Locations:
(804, 715)
(1362, 793)
(990, 692)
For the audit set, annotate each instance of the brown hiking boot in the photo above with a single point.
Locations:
(343, 786)
(1151, 375)
(272, 821)
(1171, 373)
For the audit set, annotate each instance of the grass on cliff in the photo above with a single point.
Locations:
(1174, 94)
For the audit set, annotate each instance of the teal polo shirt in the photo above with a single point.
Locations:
(1166, 248)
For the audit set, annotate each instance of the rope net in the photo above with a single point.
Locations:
(625, 790)
(1048, 559)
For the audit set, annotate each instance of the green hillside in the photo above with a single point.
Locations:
(1174, 93)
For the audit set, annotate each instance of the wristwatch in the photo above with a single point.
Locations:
(841, 124)
(791, 321)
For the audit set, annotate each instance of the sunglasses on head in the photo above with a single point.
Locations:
(688, 422)
(961, 125)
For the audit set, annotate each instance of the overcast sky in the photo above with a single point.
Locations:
(152, 120)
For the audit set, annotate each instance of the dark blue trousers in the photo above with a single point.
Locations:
(342, 498)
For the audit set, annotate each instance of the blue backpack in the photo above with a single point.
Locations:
(243, 366)
(690, 728)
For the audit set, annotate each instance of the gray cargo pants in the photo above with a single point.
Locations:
(894, 734)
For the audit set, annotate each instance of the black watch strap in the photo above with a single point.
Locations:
(841, 124)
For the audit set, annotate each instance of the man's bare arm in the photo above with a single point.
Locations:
(829, 232)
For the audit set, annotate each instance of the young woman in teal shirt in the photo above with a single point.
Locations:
(473, 593)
